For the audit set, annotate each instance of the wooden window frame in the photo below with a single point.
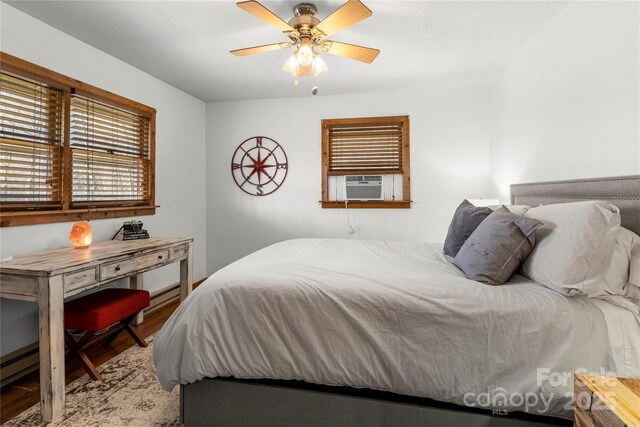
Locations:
(69, 86)
(405, 203)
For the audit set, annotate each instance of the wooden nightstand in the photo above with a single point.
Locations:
(606, 401)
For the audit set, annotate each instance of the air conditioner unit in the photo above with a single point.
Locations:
(363, 187)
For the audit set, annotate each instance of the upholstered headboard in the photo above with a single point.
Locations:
(622, 191)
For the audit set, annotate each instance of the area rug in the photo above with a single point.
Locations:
(128, 395)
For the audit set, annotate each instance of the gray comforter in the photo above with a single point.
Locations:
(393, 316)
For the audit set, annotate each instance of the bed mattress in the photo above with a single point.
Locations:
(393, 316)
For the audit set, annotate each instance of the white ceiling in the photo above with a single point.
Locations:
(186, 43)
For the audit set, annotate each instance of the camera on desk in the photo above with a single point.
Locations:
(131, 230)
(133, 226)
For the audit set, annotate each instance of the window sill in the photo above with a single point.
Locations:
(12, 219)
(373, 204)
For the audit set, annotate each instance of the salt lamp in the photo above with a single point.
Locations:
(81, 235)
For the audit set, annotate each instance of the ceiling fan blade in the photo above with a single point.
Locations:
(351, 51)
(260, 49)
(264, 14)
(345, 16)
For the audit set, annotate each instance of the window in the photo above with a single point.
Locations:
(30, 145)
(366, 146)
(110, 155)
(69, 150)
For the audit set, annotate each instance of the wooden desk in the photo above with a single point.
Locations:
(49, 277)
(606, 401)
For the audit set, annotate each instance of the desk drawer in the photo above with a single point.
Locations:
(79, 279)
(178, 251)
(132, 265)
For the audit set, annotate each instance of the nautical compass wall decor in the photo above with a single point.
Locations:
(259, 166)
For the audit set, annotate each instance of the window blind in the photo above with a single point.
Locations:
(365, 148)
(110, 152)
(30, 144)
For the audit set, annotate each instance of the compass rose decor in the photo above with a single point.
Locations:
(259, 166)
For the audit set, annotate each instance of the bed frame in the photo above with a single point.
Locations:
(228, 401)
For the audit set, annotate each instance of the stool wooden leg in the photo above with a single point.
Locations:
(116, 332)
(125, 325)
(139, 340)
(88, 366)
(75, 348)
(113, 335)
(85, 339)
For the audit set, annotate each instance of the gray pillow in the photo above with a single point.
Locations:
(465, 220)
(497, 247)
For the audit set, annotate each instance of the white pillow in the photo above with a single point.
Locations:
(514, 209)
(617, 275)
(634, 267)
(632, 290)
(627, 246)
(574, 246)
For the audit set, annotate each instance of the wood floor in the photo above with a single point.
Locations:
(24, 393)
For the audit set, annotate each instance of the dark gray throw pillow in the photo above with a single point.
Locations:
(465, 220)
(497, 247)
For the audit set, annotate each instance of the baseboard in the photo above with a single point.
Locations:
(19, 363)
(25, 360)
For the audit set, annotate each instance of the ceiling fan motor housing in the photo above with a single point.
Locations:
(305, 18)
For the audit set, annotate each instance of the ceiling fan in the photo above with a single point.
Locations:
(307, 33)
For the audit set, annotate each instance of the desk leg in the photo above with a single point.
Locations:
(136, 282)
(51, 316)
(186, 274)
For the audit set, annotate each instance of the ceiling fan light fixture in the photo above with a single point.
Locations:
(305, 53)
(291, 66)
(296, 68)
(319, 65)
(315, 67)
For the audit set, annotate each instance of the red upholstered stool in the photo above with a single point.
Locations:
(98, 310)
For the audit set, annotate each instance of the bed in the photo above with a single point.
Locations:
(344, 332)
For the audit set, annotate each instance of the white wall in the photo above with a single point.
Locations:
(449, 161)
(180, 158)
(568, 105)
